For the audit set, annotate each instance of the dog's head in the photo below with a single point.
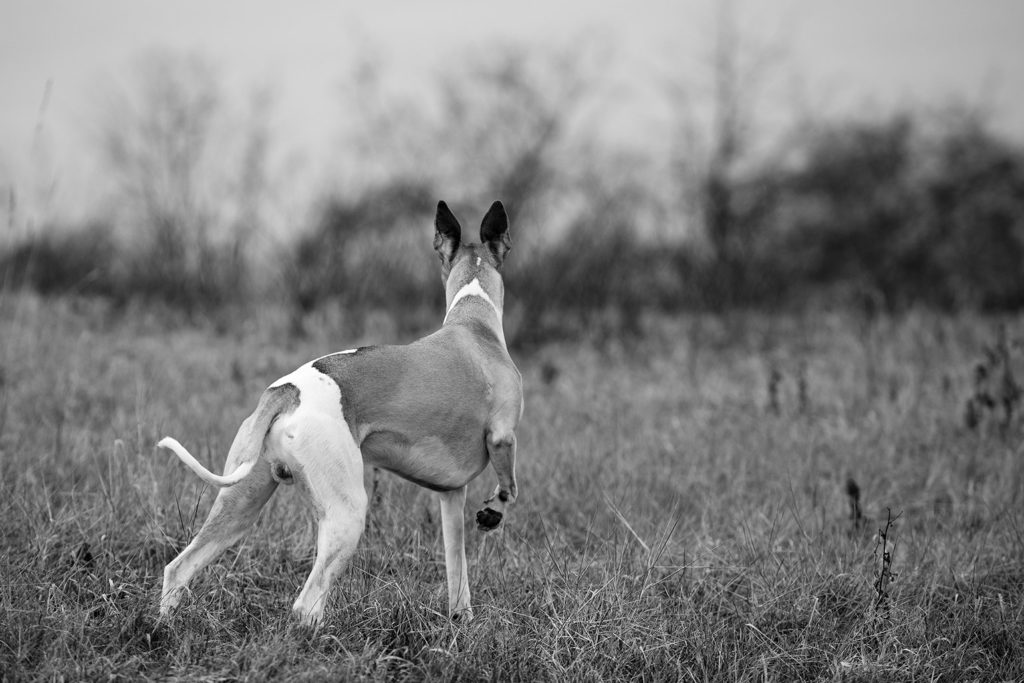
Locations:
(462, 262)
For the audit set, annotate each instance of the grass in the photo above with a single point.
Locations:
(678, 519)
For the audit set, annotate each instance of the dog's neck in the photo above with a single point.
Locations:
(471, 288)
(474, 292)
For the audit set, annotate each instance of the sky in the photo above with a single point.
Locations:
(839, 57)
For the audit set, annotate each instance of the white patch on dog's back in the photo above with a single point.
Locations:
(317, 391)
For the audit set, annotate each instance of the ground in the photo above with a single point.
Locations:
(683, 510)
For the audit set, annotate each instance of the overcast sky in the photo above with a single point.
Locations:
(845, 54)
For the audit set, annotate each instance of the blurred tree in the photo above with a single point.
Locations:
(907, 213)
(367, 253)
(717, 165)
(192, 199)
(494, 124)
(854, 207)
(155, 141)
(505, 121)
(496, 130)
(975, 198)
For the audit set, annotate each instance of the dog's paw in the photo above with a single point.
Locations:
(488, 519)
(462, 616)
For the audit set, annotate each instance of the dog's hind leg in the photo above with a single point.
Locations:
(331, 473)
(233, 512)
(453, 529)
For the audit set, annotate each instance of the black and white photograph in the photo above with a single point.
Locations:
(672, 340)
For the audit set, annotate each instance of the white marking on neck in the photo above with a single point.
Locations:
(478, 260)
(472, 288)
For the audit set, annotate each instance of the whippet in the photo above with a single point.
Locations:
(435, 412)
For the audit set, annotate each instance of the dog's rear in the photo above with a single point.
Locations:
(248, 444)
(246, 486)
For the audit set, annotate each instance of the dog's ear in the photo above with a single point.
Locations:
(448, 233)
(494, 232)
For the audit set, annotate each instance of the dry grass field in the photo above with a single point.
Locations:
(683, 512)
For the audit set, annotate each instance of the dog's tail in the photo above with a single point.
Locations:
(248, 444)
(197, 467)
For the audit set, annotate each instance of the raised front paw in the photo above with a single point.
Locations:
(488, 519)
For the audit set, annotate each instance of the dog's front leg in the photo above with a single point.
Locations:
(453, 529)
(502, 451)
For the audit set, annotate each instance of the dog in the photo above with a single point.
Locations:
(435, 412)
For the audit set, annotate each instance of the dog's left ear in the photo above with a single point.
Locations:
(448, 233)
(494, 232)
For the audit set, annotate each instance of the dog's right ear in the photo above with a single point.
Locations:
(448, 233)
(494, 232)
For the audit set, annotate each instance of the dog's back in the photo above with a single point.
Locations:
(422, 410)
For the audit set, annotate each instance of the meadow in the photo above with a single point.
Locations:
(685, 509)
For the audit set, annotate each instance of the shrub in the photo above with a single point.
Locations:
(61, 262)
